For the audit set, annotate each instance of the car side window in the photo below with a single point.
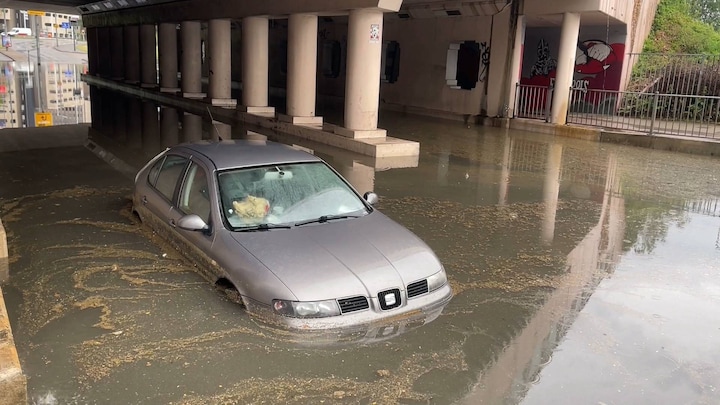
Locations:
(165, 174)
(195, 195)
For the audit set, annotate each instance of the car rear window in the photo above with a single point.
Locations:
(165, 174)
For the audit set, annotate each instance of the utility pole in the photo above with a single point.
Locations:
(37, 39)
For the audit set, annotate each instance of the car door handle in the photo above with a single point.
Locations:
(172, 223)
(144, 200)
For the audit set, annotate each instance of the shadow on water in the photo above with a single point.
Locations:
(535, 233)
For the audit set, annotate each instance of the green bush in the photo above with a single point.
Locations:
(676, 30)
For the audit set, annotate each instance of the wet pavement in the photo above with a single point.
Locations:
(583, 273)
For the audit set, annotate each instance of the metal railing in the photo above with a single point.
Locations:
(533, 101)
(697, 74)
(651, 113)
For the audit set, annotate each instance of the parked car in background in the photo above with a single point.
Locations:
(296, 240)
(19, 31)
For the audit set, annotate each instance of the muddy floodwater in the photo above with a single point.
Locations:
(583, 273)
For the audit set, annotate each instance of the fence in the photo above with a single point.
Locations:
(533, 101)
(652, 113)
(667, 94)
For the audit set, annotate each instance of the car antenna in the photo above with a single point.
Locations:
(213, 124)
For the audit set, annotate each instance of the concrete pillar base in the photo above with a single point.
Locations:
(133, 82)
(312, 121)
(222, 102)
(118, 79)
(255, 136)
(355, 133)
(149, 85)
(169, 89)
(262, 111)
(195, 96)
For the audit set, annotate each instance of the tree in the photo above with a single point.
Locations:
(707, 11)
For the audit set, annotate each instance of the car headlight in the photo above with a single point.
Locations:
(437, 280)
(306, 309)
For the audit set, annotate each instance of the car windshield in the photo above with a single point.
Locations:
(285, 194)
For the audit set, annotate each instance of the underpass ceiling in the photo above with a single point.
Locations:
(145, 11)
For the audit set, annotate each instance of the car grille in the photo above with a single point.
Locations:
(417, 288)
(353, 304)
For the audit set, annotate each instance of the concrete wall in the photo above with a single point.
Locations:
(424, 46)
(541, 53)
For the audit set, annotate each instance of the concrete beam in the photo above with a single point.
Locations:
(213, 9)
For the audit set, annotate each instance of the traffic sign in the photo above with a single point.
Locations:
(65, 25)
(43, 119)
(36, 13)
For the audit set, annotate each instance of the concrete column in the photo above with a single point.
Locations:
(148, 60)
(92, 45)
(105, 51)
(167, 50)
(120, 119)
(220, 131)
(551, 191)
(505, 171)
(516, 65)
(134, 123)
(150, 128)
(192, 127)
(169, 127)
(191, 69)
(255, 37)
(95, 108)
(117, 53)
(362, 84)
(219, 54)
(565, 67)
(361, 176)
(131, 44)
(302, 70)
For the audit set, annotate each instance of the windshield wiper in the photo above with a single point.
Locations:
(262, 227)
(326, 218)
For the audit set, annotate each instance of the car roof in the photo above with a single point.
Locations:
(245, 153)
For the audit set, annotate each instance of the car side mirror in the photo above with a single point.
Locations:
(371, 198)
(192, 222)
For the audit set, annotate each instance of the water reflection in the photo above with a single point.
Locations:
(55, 88)
(548, 243)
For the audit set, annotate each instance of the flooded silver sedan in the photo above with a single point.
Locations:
(581, 273)
(295, 240)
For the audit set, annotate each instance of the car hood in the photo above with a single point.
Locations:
(342, 258)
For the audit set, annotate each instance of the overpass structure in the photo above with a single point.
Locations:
(460, 59)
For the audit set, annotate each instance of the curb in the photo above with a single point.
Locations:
(13, 384)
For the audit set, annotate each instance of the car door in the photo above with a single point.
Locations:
(196, 196)
(161, 189)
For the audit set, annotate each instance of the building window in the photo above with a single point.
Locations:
(390, 63)
(463, 65)
(331, 58)
(283, 57)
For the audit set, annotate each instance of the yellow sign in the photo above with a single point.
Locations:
(37, 13)
(43, 119)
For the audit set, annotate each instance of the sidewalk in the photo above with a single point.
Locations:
(14, 56)
(79, 47)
